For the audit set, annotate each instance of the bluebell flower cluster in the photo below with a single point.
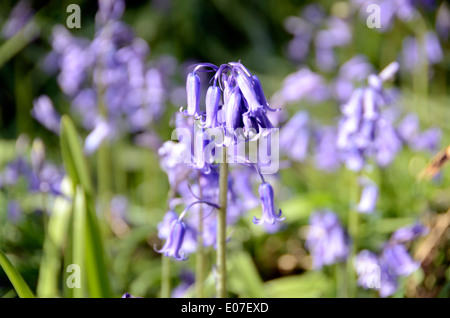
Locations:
(235, 103)
(414, 54)
(37, 174)
(382, 272)
(18, 20)
(368, 129)
(314, 29)
(111, 85)
(327, 240)
(364, 130)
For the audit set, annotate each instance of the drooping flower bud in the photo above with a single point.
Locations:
(212, 106)
(233, 112)
(193, 94)
(174, 241)
(260, 94)
(368, 198)
(269, 215)
(245, 85)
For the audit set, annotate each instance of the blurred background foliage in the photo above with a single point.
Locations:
(218, 31)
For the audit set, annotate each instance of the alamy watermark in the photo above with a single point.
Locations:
(74, 279)
(74, 19)
(204, 146)
(373, 20)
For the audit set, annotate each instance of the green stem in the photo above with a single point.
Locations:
(221, 227)
(353, 225)
(341, 282)
(200, 264)
(165, 277)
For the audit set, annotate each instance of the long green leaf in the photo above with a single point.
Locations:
(56, 235)
(72, 152)
(79, 238)
(16, 279)
(245, 279)
(76, 166)
(312, 284)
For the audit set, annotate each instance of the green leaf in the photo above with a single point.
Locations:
(78, 238)
(94, 254)
(244, 278)
(73, 157)
(49, 269)
(16, 279)
(96, 271)
(311, 284)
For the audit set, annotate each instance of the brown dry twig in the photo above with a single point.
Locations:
(436, 164)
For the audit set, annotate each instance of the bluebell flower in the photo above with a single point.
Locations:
(14, 170)
(242, 185)
(408, 130)
(109, 10)
(327, 240)
(14, 211)
(47, 179)
(336, 34)
(127, 295)
(269, 214)
(443, 22)
(368, 270)
(187, 280)
(354, 71)
(108, 79)
(100, 133)
(398, 260)
(193, 94)
(366, 131)
(369, 196)
(243, 106)
(19, 17)
(44, 112)
(314, 29)
(294, 136)
(326, 154)
(428, 140)
(212, 107)
(301, 85)
(382, 272)
(172, 247)
(414, 53)
(165, 226)
(409, 233)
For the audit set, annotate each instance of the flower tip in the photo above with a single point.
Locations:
(256, 221)
(279, 218)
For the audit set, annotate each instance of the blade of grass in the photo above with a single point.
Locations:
(97, 275)
(50, 266)
(79, 239)
(76, 166)
(72, 152)
(245, 281)
(16, 279)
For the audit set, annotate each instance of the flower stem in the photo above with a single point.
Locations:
(341, 281)
(165, 277)
(353, 225)
(221, 227)
(200, 264)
